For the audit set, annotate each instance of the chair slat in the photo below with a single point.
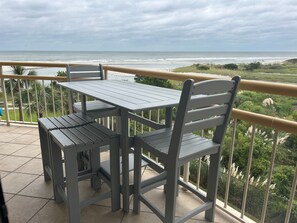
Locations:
(83, 75)
(84, 138)
(79, 120)
(61, 138)
(67, 119)
(209, 100)
(204, 124)
(47, 123)
(83, 68)
(213, 87)
(72, 137)
(207, 112)
(60, 122)
(93, 133)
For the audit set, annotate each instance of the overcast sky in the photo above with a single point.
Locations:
(157, 25)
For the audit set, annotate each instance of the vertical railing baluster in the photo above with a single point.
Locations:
(249, 164)
(292, 196)
(158, 120)
(135, 127)
(62, 100)
(199, 167)
(186, 172)
(21, 101)
(37, 100)
(44, 95)
(129, 134)
(29, 101)
(112, 123)
(266, 196)
(230, 163)
(53, 97)
(150, 118)
(141, 130)
(198, 174)
(12, 99)
(5, 98)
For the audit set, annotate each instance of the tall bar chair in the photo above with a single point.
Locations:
(204, 105)
(95, 108)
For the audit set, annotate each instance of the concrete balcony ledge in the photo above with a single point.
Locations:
(29, 198)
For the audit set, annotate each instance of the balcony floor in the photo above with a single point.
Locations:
(29, 198)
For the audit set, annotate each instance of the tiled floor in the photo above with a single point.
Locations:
(29, 198)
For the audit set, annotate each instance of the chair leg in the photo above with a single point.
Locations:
(72, 186)
(177, 186)
(171, 186)
(115, 174)
(137, 179)
(212, 185)
(57, 170)
(44, 145)
(95, 165)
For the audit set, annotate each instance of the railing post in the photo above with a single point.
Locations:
(186, 173)
(105, 74)
(5, 98)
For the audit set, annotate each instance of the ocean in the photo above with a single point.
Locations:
(165, 61)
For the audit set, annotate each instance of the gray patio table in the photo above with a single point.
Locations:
(129, 97)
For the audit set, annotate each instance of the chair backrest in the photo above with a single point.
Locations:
(84, 72)
(203, 105)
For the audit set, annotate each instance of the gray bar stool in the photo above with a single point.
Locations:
(70, 142)
(45, 125)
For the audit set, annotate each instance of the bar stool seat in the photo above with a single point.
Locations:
(71, 141)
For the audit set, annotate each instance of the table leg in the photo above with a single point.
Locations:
(125, 159)
(168, 117)
(168, 123)
(80, 162)
(83, 103)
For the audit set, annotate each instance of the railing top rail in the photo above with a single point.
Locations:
(265, 120)
(32, 77)
(33, 64)
(38, 64)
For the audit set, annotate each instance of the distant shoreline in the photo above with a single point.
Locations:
(283, 72)
(162, 61)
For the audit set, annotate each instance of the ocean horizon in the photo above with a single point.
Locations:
(155, 60)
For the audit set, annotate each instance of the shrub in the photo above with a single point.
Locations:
(153, 81)
(274, 66)
(253, 66)
(201, 67)
(292, 61)
(231, 66)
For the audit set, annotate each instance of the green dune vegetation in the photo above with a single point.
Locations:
(284, 72)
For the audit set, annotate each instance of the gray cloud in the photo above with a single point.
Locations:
(148, 25)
